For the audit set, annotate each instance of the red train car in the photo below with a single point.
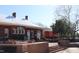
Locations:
(50, 34)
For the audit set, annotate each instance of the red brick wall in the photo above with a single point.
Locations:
(38, 47)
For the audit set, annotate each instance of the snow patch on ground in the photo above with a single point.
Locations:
(53, 44)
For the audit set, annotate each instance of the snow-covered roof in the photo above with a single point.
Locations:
(16, 21)
(47, 29)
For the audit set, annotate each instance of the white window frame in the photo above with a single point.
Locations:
(20, 30)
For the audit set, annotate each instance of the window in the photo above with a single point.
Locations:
(32, 34)
(20, 30)
(6, 31)
(13, 31)
(23, 31)
(1, 31)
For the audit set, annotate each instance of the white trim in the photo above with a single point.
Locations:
(39, 34)
(28, 34)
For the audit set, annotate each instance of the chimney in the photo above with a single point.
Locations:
(26, 17)
(14, 14)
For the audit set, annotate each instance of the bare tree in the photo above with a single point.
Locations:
(64, 11)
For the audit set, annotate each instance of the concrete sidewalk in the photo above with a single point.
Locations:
(70, 50)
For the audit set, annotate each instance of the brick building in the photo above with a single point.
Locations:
(20, 29)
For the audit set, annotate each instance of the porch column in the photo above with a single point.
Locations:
(28, 34)
(39, 35)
